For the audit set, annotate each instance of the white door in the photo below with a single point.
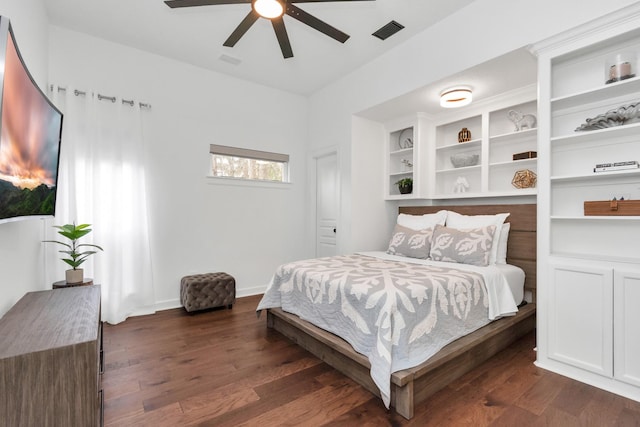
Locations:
(327, 188)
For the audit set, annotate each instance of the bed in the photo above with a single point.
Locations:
(421, 363)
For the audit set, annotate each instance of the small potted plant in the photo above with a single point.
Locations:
(76, 254)
(405, 185)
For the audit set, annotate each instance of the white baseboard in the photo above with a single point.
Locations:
(175, 303)
(258, 290)
(168, 304)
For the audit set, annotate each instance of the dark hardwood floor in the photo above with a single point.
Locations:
(225, 368)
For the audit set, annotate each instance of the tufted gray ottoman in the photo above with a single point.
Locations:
(202, 291)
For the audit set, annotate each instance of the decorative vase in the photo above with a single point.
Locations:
(75, 276)
(464, 135)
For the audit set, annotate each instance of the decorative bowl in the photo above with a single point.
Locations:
(462, 160)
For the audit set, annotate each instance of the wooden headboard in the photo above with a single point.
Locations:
(521, 249)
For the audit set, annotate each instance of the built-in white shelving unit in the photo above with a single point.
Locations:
(495, 140)
(588, 266)
(405, 149)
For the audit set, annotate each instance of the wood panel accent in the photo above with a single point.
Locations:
(413, 386)
(49, 359)
(223, 368)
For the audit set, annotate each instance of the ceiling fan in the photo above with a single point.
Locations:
(273, 10)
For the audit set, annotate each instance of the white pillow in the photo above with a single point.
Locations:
(465, 222)
(422, 222)
(501, 257)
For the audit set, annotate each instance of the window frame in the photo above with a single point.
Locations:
(245, 153)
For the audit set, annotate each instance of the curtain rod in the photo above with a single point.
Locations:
(101, 97)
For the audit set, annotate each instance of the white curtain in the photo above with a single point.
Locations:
(102, 183)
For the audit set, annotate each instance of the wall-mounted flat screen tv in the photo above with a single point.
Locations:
(30, 134)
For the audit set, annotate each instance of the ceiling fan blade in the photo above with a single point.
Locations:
(313, 22)
(244, 26)
(322, 1)
(283, 37)
(190, 3)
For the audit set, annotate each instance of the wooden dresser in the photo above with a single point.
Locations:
(50, 359)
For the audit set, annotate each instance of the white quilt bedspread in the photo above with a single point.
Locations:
(396, 311)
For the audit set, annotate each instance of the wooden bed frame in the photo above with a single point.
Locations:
(410, 387)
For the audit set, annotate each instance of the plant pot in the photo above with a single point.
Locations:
(75, 276)
(405, 189)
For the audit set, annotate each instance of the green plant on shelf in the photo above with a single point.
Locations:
(405, 185)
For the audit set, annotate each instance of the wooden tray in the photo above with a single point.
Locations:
(612, 208)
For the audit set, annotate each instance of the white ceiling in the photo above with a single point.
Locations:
(195, 35)
(509, 72)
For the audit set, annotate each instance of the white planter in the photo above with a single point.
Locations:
(75, 276)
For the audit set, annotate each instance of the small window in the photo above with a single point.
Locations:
(242, 163)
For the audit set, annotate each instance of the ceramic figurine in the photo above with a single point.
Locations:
(522, 121)
(461, 185)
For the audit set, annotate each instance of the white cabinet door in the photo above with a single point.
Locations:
(581, 317)
(627, 326)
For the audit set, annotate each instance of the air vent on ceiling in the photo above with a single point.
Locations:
(388, 30)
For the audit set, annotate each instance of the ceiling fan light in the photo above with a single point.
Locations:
(268, 8)
(456, 97)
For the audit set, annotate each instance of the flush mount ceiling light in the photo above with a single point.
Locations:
(268, 8)
(456, 97)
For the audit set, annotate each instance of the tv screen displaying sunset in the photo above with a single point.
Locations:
(29, 143)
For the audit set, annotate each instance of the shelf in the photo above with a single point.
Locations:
(474, 143)
(596, 94)
(522, 162)
(403, 151)
(405, 173)
(513, 193)
(597, 176)
(463, 169)
(594, 218)
(514, 136)
(600, 258)
(401, 196)
(597, 135)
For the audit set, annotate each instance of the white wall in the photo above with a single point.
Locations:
(197, 224)
(483, 30)
(21, 253)
(247, 231)
(367, 183)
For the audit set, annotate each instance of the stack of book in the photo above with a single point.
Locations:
(617, 166)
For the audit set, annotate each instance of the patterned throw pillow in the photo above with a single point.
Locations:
(410, 243)
(462, 246)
